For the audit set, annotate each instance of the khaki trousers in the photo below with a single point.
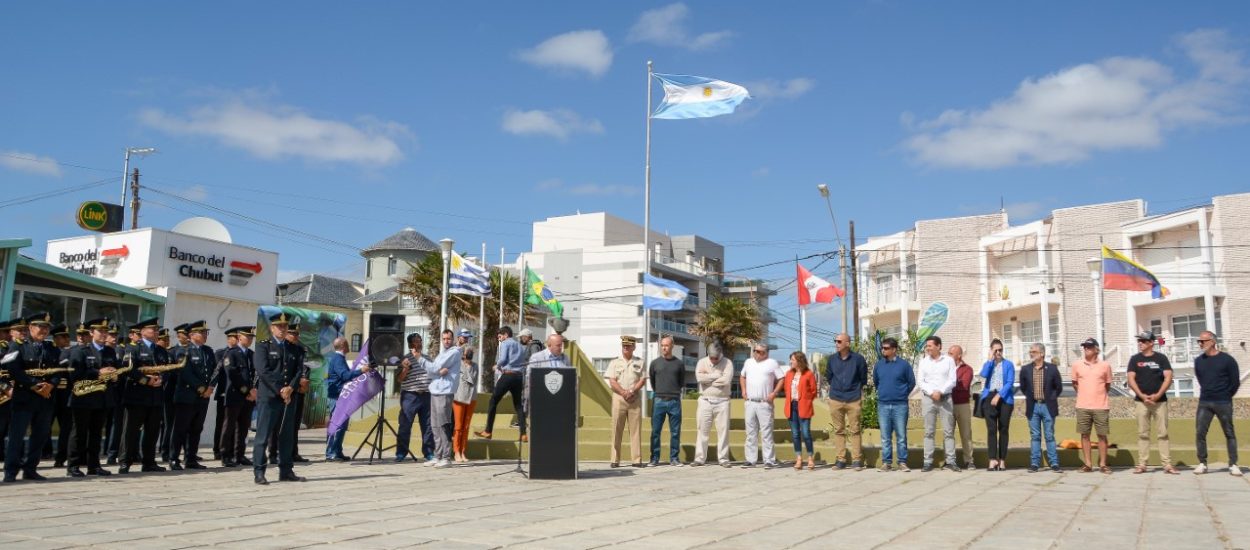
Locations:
(846, 423)
(963, 423)
(708, 414)
(1158, 414)
(626, 414)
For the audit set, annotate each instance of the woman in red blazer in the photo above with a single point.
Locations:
(800, 387)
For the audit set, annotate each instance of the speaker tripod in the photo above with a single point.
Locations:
(520, 451)
(374, 438)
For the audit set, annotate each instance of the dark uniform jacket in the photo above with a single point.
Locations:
(87, 362)
(193, 378)
(240, 374)
(135, 389)
(218, 381)
(278, 365)
(33, 355)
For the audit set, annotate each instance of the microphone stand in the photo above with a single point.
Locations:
(525, 406)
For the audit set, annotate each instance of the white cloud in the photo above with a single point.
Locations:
(587, 50)
(195, 192)
(30, 163)
(557, 123)
(284, 132)
(780, 89)
(1065, 117)
(588, 189)
(666, 26)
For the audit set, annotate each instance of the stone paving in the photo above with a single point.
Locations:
(387, 505)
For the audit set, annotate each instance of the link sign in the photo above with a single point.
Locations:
(99, 216)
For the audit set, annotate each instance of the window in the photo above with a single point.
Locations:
(62, 309)
(407, 302)
(355, 343)
(1156, 326)
(122, 314)
(368, 269)
(1054, 330)
(391, 265)
(1188, 326)
(885, 290)
(911, 282)
(1031, 331)
(1182, 387)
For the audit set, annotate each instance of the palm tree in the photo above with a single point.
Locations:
(730, 321)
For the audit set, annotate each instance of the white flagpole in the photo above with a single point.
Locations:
(646, 239)
(481, 322)
(447, 252)
(520, 306)
(803, 329)
(501, 287)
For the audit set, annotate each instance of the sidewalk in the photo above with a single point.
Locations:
(389, 505)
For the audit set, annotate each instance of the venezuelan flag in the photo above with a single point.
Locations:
(1119, 272)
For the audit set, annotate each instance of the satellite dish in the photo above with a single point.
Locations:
(204, 228)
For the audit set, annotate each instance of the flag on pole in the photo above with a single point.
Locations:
(688, 96)
(466, 278)
(813, 289)
(539, 294)
(1119, 272)
(662, 295)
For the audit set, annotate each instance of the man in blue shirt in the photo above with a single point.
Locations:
(509, 378)
(444, 373)
(894, 380)
(338, 374)
(847, 373)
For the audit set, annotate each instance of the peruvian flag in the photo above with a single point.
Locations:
(814, 289)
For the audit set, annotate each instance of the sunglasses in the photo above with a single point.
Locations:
(1204, 341)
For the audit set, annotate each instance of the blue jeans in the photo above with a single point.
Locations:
(800, 429)
(334, 442)
(1041, 423)
(414, 405)
(893, 420)
(672, 409)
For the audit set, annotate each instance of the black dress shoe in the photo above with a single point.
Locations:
(260, 479)
(244, 461)
(33, 476)
(196, 458)
(59, 464)
(75, 472)
(229, 463)
(10, 479)
(112, 461)
(175, 466)
(342, 458)
(100, 472)
(195, 465)
(289, 477)
(123, 469)
(153, 468)
(298, 458)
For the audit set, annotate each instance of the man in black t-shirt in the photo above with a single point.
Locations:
(1149, 376)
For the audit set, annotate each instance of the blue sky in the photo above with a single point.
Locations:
(472, 120)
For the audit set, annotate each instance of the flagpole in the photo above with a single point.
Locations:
(442, 319)
(481, 321)
(646, 237)
(501, 285)
(802, 315)
(520, 306)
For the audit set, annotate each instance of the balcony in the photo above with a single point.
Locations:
(682, 266)
(1181, 351)
(664, 326)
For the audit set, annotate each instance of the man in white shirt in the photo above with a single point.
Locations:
(936, 379)
(761, 381)
(715, 374)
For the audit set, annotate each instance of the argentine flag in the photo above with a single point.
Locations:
(466, 278)
(662, 295)
(688, 96)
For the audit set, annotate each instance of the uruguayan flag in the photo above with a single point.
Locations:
(662, 295)
(688, 96)
(466, 278)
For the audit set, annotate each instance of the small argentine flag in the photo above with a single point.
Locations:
(662, 295)
(688, 96)
(466, 278)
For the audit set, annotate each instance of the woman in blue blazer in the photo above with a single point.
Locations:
(997, 402)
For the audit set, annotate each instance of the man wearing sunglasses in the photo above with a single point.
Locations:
(761, 380)
(1149, 376)
(1219, 378)
(894, 380)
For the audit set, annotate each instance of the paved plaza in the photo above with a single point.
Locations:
(389, 505)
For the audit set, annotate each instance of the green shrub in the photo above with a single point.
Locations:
(868, 409)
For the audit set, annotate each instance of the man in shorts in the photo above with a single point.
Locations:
(1091, 377)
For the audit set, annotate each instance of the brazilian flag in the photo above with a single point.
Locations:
(537, 293)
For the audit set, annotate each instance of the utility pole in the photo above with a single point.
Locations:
(134, 199)
(855, 283)
(845, 302)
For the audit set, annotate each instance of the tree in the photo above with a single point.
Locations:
(730, 321)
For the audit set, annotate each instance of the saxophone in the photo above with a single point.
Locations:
(6, 389)
(157, 369)
(84, 387)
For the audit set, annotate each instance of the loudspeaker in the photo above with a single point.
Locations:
(386, 338)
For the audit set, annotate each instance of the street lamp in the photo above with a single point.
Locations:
(446, 245)
(1095, 275)
(824, 192)
(140, 151)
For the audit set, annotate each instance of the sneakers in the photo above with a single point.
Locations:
(858, 465)
(696, 463)
(927, 468)
(1201, 469)
(429, 462)
(675, 462)
(654, 463)
(884, 467)
(1234, 470)
(1055, 468)
(771, 465)
(902, 467)
(952, 467)
(748, 464)
(1033, 468)
(726, 464)
(839, 465)
(442, 463)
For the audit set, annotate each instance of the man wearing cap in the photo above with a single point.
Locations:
(297, 407)
(715, 375)
(32, 404)
(1091, 378)
(60, 401)
(463, 338)
(278, 369)
(113, 409)
(510, 360)
(143, 399)
(627, 376)
(169, 385)
(90, 362)
(240, 397)
(191, 396)
(219, 390)
(1150, 376)
(6, 389)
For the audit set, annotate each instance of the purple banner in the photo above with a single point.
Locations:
(356, 393)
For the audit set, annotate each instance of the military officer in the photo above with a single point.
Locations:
(32, 398)
(60, 401)
(292, 338)
(240, 373)
(169, 382)
(191, 396)
(6, 385)
(115, 424)
(142, 398)
(90, 362)
(277, 379)
(219, 391)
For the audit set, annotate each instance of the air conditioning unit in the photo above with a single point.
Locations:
(1140, 241)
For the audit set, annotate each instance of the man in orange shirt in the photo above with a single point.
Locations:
(1091, 377)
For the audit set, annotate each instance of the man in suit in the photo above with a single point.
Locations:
(277, 379)
(240, 397)
(191, 397)
(338, 374)
(32, 398)
(218, 383)
(297, 408)
(143, 399)
(60, 401)
(90, 361)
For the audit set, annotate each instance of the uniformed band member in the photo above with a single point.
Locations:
(278, 370)
(219, 391)
(117, 433)
(169, 383)
(10, 336)
(191, 396)
(143, 400)
(297, 408)
(113, 404)
(32, 399)
(60, 401)
(240, 375)
(90, 361)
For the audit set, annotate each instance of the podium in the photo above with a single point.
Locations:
(553, 412)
